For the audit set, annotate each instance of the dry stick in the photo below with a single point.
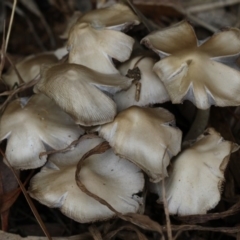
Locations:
(177, 234)
(150, 27)
(212, 5)
(199, 218)
(168, 222)
(201, 22)
(30, 25)
(140, 235)
(187, 13)
(70, 146)
(145, 222)
(10, 25)
(13, 92)
(30, 203)
(231, 230)
(15, 69)
(11, 195)
(2, 52)
(95, 232)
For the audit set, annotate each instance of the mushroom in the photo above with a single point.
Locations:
(117, 17)
(197, 70)
(147, 89)
(108, 176)
(145, 136)
(84, 145)
(194, 186)
(33, 125)
(28, 68)
(78, 91)
(94, 47)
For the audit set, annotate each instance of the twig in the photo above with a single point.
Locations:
(30, 25)
(211, 5)
(21, 81)
(95, 232)
(20, 89)
(72, 145)
(2, 52)
(10, 24)
(201, 22)
(168, 221)
(30, 203)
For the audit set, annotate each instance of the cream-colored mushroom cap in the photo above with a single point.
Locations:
(28, 68)
(75, 89)
(145, 136)
(63, 159)
(195, 70)
(151, 89)
(116, 17)
(31, 125)
(95, 47)
(111, 178)
(195, 184)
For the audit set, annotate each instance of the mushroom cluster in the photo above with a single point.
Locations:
(100, 88)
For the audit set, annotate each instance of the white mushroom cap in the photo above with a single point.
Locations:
(28, 68)
(116, 17)
(151, 91)
(75, 89)
(145, 136)
(111, 178)
(67, 158)
(195, 184)
(30, 125)
(95, 47)
(193, 70)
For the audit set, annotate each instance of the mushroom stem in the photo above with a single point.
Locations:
(199, 124)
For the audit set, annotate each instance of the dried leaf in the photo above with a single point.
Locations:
(8, 199)
(31, 205)
(8, 182)
(8, 193)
